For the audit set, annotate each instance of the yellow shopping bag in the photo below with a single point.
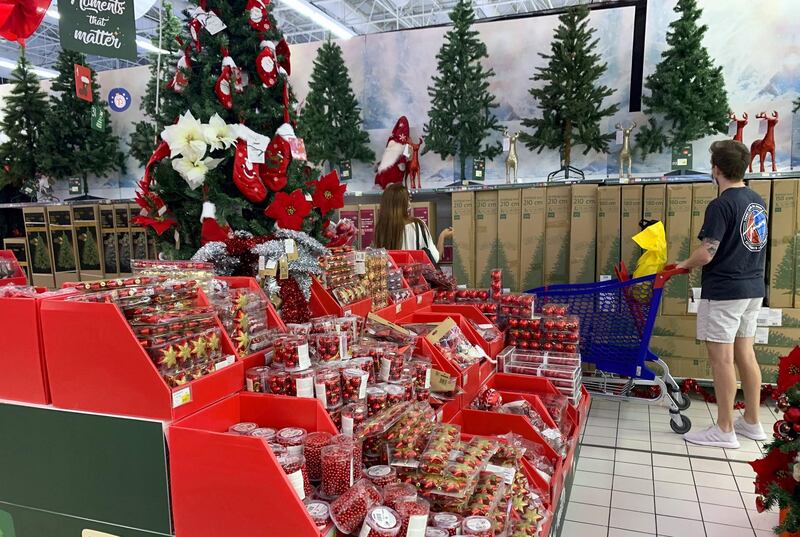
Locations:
(653, 240)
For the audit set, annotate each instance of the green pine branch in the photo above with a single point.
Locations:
(461, 118)
(570, 97)
(23, 124)
(330, 121)
(687, 98)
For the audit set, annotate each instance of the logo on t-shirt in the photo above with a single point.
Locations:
(754, 227)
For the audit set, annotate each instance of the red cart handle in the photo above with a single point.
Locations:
(668, 272)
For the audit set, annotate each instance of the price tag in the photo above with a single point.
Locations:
(776, 317)
(298, 147)
(256, 143)
(212, 23)
(398, 307)
(283, 267)
(762, 335)
(694, 300)
(506, 473)
(271, 268)
(225, 362)
(291, 249)
(618, 139)
(182, 396)
(442, 382)
(360, 265)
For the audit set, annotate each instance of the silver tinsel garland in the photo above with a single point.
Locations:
(216, 252)
(301, 269)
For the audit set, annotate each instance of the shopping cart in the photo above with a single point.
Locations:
(616, 322)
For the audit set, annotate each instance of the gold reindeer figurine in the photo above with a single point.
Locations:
(625, 154)
(511, 159)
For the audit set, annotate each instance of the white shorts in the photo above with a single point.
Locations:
(722, 321)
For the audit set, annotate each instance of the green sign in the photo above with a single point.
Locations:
(478, 169)
(682, 157)
(99, 27)
(98, 117)
(346, 170)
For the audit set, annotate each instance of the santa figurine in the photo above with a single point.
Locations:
(392, 167)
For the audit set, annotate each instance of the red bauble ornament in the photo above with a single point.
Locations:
(245, 175)
(792, 415)
(289, 210)
(20, 18)
(760, 507)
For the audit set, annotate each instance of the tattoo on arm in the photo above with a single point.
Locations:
(711, 246)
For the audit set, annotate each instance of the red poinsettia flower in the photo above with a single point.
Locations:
(329, 193)
(289, 210)
(789, 370)
(775, 467)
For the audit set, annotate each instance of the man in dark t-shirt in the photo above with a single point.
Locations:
(733, 255)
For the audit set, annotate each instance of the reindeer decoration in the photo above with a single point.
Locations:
(740, 124)
(766, 145)
(511, 160)
(412, 175)
(625, 154)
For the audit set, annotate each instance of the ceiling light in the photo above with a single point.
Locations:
(40, 71)
(316, 15)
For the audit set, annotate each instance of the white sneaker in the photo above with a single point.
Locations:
(713, 436)
(753, 432)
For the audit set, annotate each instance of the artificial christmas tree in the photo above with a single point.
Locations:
(70, 147)
(571, 99)
(65, 258)
(330, 121)
(90, 256)
(24, 115)
(461, 116)
(145, 134)
(233, 144)
(687, 92)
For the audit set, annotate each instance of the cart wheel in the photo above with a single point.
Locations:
(682, 400)
(684, 427)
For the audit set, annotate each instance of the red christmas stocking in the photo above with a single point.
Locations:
(284, 56)
(259, 18)
(179, 79)
(246, 176)
(266, 66)
(194, 29)
(211, 231)
(277, 159)
(228, 82)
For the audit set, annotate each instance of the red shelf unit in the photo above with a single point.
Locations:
(323, 303)
(23, 370)
(224, 484)
(95, 363)
(472, 313)
(273, 319)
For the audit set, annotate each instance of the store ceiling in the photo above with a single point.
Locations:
(360, 16)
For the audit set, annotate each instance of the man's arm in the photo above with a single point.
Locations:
(702, 255)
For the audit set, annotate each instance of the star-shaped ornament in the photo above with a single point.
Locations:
(200, 347)
(169, 357)
(213, 342)
(184, 352)
(242, 301)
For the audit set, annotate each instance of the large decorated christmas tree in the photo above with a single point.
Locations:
(461, 118)
(231, 157)
(330, 121)
(687, 97)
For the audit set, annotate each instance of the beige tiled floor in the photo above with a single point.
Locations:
(636, 478)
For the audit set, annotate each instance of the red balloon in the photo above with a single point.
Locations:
(20, 18)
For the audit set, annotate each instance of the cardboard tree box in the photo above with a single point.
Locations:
(152, 245)
(63, 245)
(676, 325)
(631, 215)
(783, 217)
(19, 247)
(762, 187)
(351, 213)
(678, 217)
(463, 207)
(797, 248)
(110, 249)
(702, 195)
(486, 244)
(86, 219)
(778, 336)
(367, 217)
(532, 237)
(41, 257)
(653, 202)
(426, 211)
(138, 235)
(609, 237)
(557, 235)
(508, 236)
(583, 234)
(122, 226)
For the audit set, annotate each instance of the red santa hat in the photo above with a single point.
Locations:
(392, 168)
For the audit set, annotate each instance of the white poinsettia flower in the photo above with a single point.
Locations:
(186, 138)
(218, 134)
(194, 171)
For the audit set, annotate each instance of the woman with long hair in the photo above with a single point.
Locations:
(396, 229)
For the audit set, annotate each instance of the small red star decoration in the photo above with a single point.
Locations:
(329, 193)
(289, 210)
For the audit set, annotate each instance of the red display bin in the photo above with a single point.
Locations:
(225, 484)
(402, 257)
(23, 372)
(323, 303)
(95, 363)
(18, 277)
(273, 319)
(472, 313)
